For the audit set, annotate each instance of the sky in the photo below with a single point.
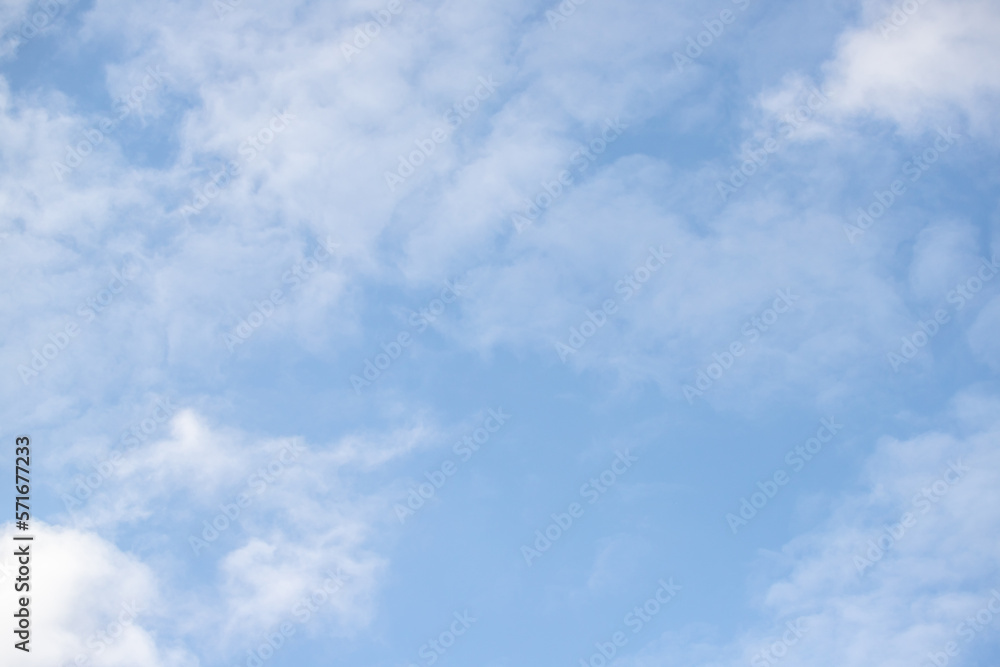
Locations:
(388, 333)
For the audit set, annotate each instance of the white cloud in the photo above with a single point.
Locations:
(919, 586)
(88, 598)
(253, 511)
(942, 60)
(943, 254)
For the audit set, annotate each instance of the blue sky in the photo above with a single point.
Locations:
(394, 334)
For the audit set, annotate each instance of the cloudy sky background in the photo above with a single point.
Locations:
(170, 337)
